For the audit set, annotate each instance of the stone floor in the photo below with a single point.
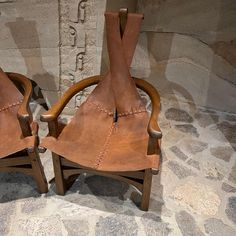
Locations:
(194, 194)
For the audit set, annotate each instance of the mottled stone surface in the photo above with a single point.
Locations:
(178, 115)
(117, 225)
(232, 175)
(187, 224)
(212, 171)
(179, 153)
(40, 226)
(231, 118)
(205, 119)
(194, 146)
(216, 227)
(188, 128)
(228, 188)
(231, 209)
(77, 227)
(229, 131)
(7, 210)
(194, 163)
(32, 205)
(179, 170)
(222, 152)
(198, 197)
(154, 225)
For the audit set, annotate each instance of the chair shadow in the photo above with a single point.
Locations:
(25, 35)
(110, 195)
(105, 194)
(16, 186)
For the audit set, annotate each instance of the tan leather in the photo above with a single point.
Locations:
(93, 139)
(11, 140)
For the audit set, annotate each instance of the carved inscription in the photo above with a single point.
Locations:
(73, 43)
(77, 11)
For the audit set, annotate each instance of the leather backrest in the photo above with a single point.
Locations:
(117, 91)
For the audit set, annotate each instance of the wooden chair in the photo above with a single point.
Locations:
(19, 134)
(73, 145)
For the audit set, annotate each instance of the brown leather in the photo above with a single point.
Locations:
(93, 139)
(11, 140)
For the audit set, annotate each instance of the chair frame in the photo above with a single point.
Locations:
(66, 171)
(26, 161)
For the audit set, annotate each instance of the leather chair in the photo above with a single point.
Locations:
(18, 131)
(111, 133)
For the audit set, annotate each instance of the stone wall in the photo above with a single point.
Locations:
(81, 37)
(55, 43)
(189, 49)
(29, 39)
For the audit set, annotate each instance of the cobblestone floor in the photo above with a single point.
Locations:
(194, 194)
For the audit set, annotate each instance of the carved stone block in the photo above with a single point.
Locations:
(77, 10)
(78, 47)
(77, 35)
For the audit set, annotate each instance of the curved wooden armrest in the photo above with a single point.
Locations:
(153, 128)
(24, 115)
(56, 109)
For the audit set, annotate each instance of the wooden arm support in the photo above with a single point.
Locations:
(24, 114)
(153, 128)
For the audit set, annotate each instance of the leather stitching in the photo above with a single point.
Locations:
(127, 113)
(11, 105)
(131, 113)
(104, 150)
(99, 107)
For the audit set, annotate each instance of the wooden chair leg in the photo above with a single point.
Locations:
(147, 184)
(58, 172)
(38, 171)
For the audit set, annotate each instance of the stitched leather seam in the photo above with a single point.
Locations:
(128, 113)
(11, 105)
(99, 107)
(131, 113)
(104, 150)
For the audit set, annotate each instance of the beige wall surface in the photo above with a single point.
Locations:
(190, 50)
(29, 41)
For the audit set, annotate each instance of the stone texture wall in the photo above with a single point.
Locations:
(29, 40)
(81, 37)
(187, 50)
(55, 43)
